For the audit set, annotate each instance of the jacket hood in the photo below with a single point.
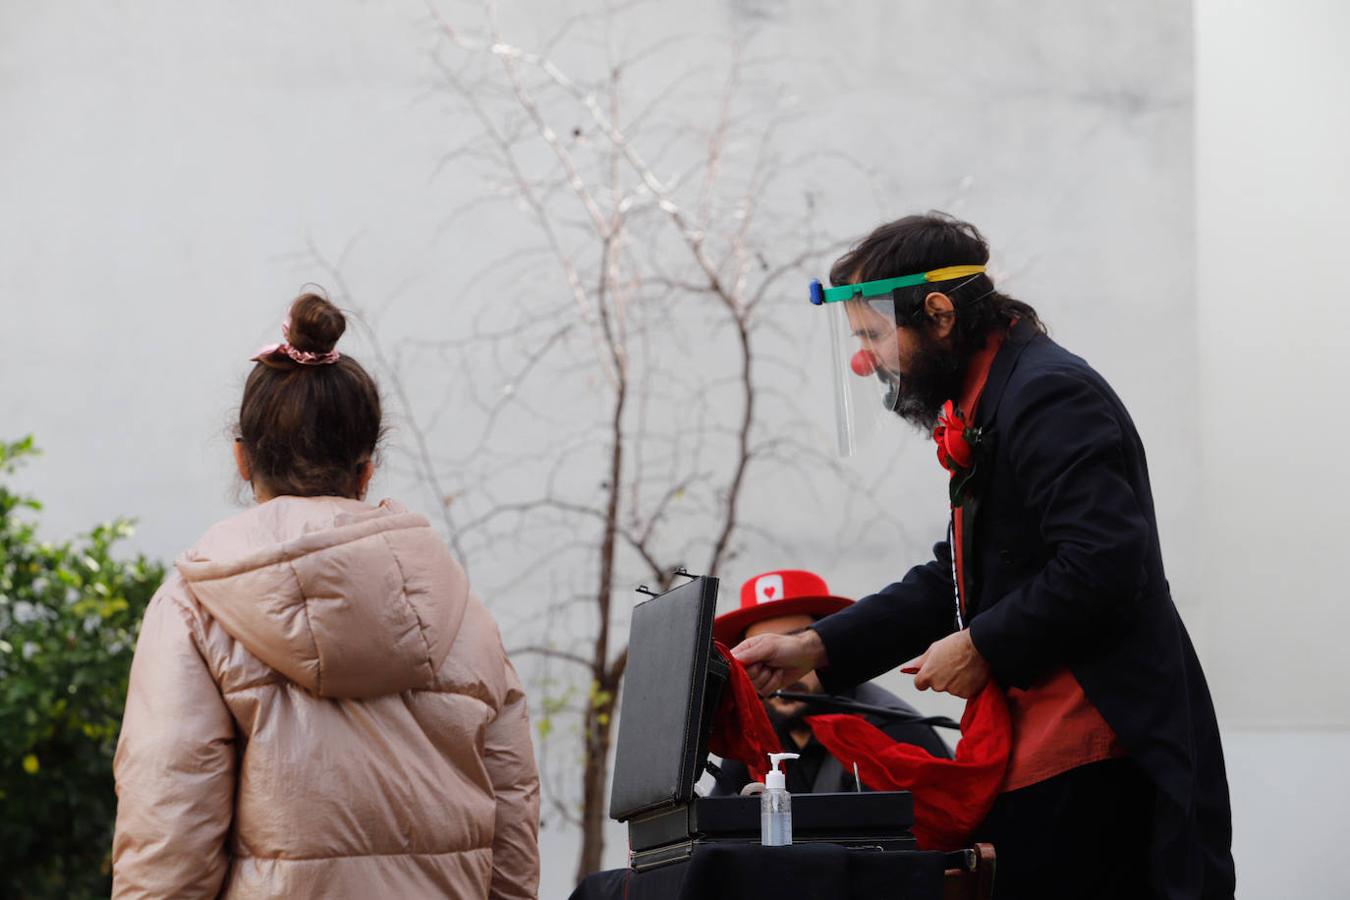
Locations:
(344, 599)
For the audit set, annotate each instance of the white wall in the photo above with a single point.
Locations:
(163, 167)
(1272, 182)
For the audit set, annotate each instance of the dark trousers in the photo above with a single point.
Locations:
(1082, 835)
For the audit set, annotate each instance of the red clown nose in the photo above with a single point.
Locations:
(864, 363)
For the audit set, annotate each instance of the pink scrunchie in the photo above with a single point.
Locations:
(304, 357)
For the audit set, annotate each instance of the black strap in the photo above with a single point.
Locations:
(831, 701)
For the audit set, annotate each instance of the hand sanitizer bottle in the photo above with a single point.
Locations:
(775, 805)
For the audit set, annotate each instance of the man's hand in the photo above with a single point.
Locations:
(773, 661)
(951, 665)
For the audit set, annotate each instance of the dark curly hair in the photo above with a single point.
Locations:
(309, 430)
(921, 243)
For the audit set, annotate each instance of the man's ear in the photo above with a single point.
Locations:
(938, 307)
(241, 461)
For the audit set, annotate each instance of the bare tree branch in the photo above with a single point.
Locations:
(551, 653)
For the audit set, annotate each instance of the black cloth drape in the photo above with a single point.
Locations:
(800, 872)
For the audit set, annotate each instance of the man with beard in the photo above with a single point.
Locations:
(1049, 586)
(787, 601)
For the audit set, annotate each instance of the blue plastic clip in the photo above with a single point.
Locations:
(817, 293)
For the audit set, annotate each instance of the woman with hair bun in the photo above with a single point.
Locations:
(319, 705)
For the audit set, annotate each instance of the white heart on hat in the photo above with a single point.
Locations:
(768, 588)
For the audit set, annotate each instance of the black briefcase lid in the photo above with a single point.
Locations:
(665, 714)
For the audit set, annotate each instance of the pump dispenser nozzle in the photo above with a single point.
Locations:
(776, 778)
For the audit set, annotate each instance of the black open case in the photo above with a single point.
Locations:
(672, 686)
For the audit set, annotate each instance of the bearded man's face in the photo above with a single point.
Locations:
(929, 375)
(918, 371)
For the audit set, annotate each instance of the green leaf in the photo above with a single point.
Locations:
(63, 675)
(961, 481)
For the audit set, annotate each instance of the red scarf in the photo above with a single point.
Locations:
(951, 796)
(741, 728)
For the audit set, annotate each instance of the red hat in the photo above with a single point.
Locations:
(787, 592)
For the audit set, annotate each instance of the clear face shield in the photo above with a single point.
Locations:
(866, 362)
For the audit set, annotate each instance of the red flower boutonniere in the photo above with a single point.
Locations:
(958, 446)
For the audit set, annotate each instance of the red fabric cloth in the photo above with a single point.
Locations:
(951, 796)
(741, 728)
(1057, 729)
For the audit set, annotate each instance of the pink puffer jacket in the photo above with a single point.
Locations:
(319, 707)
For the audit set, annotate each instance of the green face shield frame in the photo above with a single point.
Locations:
(882, 287)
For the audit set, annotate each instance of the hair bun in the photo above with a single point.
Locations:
(316, 324)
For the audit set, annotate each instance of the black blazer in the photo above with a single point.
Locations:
(1063, 568)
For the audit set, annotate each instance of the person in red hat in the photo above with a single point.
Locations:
(788, 601)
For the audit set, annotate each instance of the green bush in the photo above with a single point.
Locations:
(69, 614)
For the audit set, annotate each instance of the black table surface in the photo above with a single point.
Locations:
(800, 872)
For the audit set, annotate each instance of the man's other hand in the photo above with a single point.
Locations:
(773, 661)
(951, 665)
